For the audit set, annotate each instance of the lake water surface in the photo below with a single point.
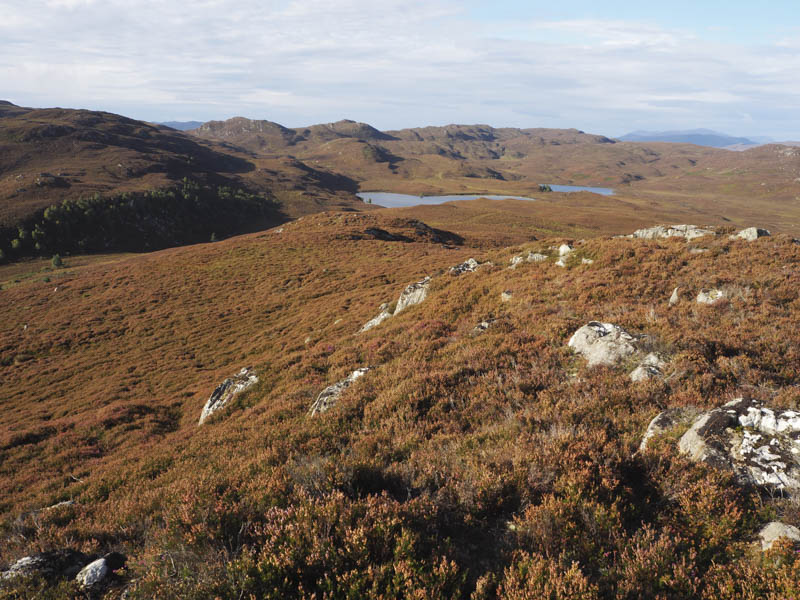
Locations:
(391, 200)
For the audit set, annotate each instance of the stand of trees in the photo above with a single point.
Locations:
(133, 222)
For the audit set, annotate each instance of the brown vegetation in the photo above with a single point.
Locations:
(464, 465)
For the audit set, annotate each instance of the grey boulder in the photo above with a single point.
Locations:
(328, 397)
(227, 391)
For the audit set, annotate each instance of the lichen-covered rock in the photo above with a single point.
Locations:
(652, 365)
(666, 421)
(375, 321)
(467, 266)
(413, 294)
(603, 343)
(328, 397)
(688, 232)
(96, 572)
(772, 532)
(227, 391)
(751, 234)
(54, 564)
(760, 445)
(710, 296)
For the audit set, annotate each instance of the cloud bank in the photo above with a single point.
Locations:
(391, 63)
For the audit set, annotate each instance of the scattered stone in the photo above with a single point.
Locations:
(328, 397)
(307, 341)
(227, 391)
(97, 571)
(413, 294)
(760, 445)
(653, 365)
(665, 421)
(506, 295)
(603, 343)
(61, 504)
(675, 297)
(536, 257)
(587, 261)
(468, 266)
(564, 250)
(710, 296)
(751, 234)
(698, 250)
(375, 321)
(55, 564)
(772, 532)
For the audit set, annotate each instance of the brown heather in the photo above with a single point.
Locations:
(464, 465)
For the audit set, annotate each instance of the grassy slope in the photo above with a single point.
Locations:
(464, 463)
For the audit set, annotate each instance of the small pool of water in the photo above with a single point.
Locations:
(391, 200)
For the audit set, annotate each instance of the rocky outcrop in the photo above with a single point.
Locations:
(603, 343)
(710, 296)
(759, 444)
(413, 294)
(227, 391)
(328, 397)
(688, 232)
(751, 234)
(375, 321)
(772, 532)
(665, 421)
(95, 573)
(55, 564)
(652, 365)
(468, 266)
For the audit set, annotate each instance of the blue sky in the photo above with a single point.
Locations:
(606, 67)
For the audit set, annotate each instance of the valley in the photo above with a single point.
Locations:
(434, 400)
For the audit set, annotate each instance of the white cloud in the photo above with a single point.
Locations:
(394, 63)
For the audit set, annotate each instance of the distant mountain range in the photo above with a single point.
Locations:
(699, 137)
(181, 125)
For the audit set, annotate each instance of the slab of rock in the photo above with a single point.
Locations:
(227, 391)
(760, 445)
(652, 365)
(413, 294)
(688, 232)
(96, 572)
(666, 421)
(328, 397)
(536, 257)
(467, 266)
(516, 261)
(710, 296)
(603, 343)
(751, 234)
(375, 321)
(772, 532)
(55, 564)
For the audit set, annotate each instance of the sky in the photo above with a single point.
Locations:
(605, 67)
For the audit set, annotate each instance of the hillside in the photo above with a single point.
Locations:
(478, 457)
(65, 158)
